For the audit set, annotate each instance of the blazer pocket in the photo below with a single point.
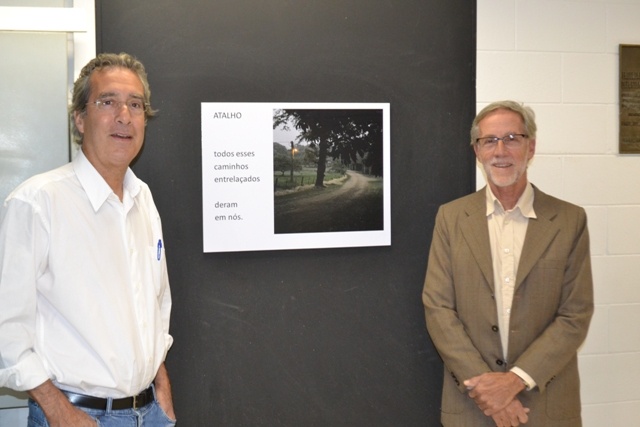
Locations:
(553, 270)
(453, 402)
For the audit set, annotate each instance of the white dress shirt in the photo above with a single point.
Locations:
(84, 291)
(507, 231)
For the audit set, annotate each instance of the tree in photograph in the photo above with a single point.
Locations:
(284, 161)
(341, 134)
(281, 160)
(310, 157)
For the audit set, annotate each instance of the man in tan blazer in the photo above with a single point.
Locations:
(508, 293)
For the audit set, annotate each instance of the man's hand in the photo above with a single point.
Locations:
(513, 415)
(493, 391)
(163, 392)
(57, 408)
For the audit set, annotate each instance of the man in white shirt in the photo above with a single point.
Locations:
(84, 291)
(508, 293)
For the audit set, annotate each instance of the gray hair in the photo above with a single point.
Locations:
(82, 86)
(527, 114)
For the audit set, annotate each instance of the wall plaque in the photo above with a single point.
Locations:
(629, 99)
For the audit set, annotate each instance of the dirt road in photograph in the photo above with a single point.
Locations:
(356, 205)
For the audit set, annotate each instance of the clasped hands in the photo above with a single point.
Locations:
(495, 394)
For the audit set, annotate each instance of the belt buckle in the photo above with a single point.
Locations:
(135, 402)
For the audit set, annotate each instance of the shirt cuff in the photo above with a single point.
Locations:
(529, 383)
(26, 375)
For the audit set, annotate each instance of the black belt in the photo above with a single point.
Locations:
(144, 398)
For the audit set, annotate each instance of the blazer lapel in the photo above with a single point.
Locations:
(540, 232)
(476, 233)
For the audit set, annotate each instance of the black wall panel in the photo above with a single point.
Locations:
(325, 337)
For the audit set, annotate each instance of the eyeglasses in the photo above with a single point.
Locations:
(110, 105)
(513, 140)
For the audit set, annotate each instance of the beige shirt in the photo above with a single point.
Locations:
(507, 231)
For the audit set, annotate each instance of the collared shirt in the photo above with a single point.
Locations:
(507, 230)
(84, 291)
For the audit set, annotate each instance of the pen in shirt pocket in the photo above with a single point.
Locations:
(159, 249)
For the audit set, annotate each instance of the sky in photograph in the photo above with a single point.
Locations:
(285, 137)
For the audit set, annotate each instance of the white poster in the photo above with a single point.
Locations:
(295, 176)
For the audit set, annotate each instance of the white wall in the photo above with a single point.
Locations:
(561, 58)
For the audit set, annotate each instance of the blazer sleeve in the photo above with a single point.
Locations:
(557, 297)
(448, 333)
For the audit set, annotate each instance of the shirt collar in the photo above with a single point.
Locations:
(97, 189)
(524, 204)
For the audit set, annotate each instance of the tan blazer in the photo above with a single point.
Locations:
(552, 308)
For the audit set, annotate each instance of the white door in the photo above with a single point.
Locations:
(43, 45)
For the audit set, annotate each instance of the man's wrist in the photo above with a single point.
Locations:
(526, 380)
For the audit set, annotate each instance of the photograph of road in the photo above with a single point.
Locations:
(328, 169)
